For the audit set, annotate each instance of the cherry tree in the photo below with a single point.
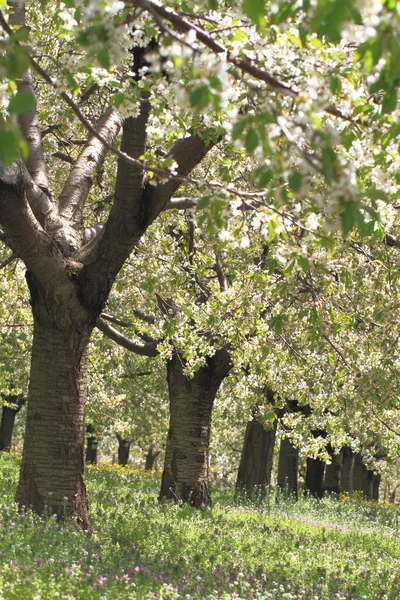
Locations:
(305, 100)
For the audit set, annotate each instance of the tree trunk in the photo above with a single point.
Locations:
(333, 473)
(151, 457)
(124, 447)
(254, 475)
(8, 419)
(185, 477)
(367, 487)
(347, 477)
(376, 482)
(52, 469)
(314, 478)
(91, 445)
(358, 475)
(288, 468)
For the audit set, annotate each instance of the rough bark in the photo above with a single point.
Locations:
(52, 467)
(347, 477)
(185, 476)
(9, 412)
(333, 473)
(314, 477)
(254, 474)
(288, 468)
(91, 445)
(124, 447)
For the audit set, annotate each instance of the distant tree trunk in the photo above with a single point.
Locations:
(333, 473)
(376, 482)
(358, 476)
(347, 477)
(185, 477)
(315, 471)
(8, 419)
(254, 475)
(151, 458)
(368, 486)
(314, 477)
(91, 445)
(288, 468)
(124, 447)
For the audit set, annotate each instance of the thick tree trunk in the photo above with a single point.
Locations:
(185, 477)
(52, 469)
(314, 478)
(151, 457)
(91, 445)
(254, 475)
(124, 447)
(333, 473)
(8, 419)
(288, 468)
(347, 477)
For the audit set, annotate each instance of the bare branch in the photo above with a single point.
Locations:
(29, 121)
(223, 282)
(181, 203)
(143, 317)
(73, 197)
(146, 349)
(392, 241)
(8, 260)
(116, 321)
(65, 157)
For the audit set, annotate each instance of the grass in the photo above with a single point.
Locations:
(141, 550)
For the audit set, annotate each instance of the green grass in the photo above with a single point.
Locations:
(337, 550)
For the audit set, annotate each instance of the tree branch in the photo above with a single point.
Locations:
(146, 349)
(28, 121)
(76, 189)
(223, 282)
(244, 64)
(116, 321)
(27, 238)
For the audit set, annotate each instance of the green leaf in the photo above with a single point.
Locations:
(203, 202)
(212, 4)
(255, 10)
(303, 262)
(8, 146)
(17, 63)
(117, 99)
(349, 218)
(238, 128)
(390, 101)
(21, 103)
(251, 141)
(335, 84)
(294, 180)
(200, 97)
(103, 57)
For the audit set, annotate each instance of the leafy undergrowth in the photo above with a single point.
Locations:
(281, 549)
